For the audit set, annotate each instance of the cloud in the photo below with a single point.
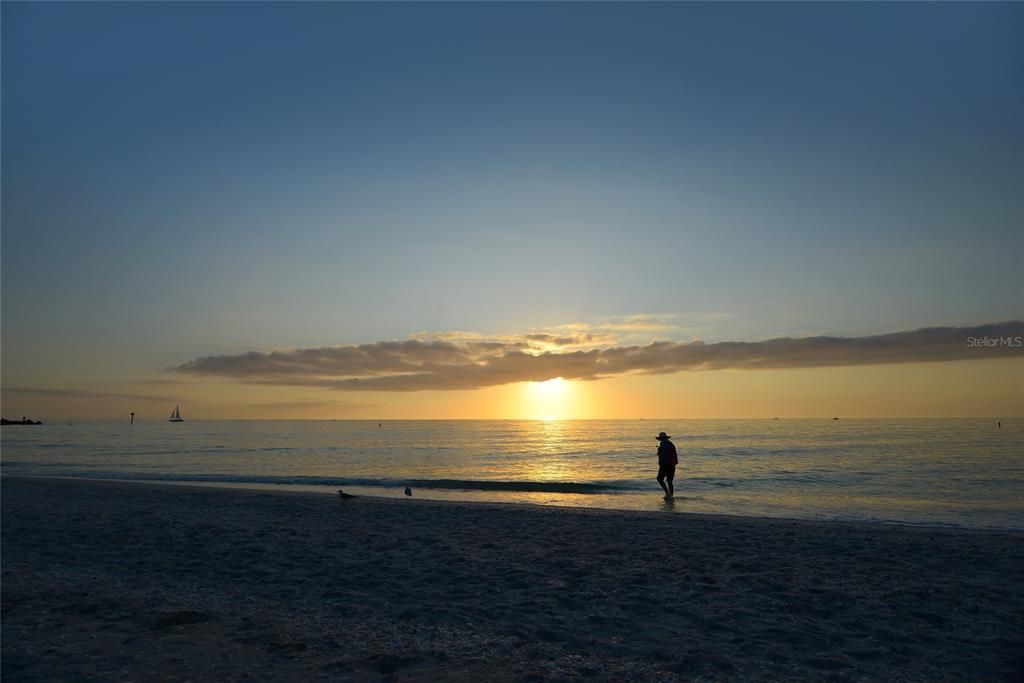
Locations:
(641, 326)
(81, 393)
(603, 332)
(640, 323)
(535, 341)
(304, 403)
(477, 362)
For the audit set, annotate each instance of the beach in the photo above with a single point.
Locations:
(130, 581)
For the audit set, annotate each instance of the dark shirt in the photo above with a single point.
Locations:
(667, 453)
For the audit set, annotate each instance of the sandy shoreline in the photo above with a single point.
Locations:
(143, 581)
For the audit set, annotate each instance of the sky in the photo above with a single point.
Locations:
(434, 210)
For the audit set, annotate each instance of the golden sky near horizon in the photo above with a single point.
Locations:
(961, 388)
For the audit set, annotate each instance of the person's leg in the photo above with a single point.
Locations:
(661, 481)
(670, 474)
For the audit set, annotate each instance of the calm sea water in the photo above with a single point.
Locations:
(959, 472)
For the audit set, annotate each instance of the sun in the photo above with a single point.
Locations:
(549, 400)
(551, 388)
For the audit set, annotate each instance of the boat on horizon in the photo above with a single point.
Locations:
(176, 415)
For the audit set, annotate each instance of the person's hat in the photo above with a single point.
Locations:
(662, 436)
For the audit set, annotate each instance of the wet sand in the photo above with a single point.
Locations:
(119, 581)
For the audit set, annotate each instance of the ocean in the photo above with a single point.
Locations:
(961, 472)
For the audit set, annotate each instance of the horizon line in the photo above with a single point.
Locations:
(540, 419)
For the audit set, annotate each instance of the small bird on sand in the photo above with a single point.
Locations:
(408, 491)
(345, 496)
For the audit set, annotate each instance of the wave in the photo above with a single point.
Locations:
(442, 484)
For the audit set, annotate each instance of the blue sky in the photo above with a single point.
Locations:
(185, 179)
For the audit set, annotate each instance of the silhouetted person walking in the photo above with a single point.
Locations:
(667, 461)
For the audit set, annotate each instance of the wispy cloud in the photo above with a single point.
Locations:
(640, 323)
(81, 393)
(472, 362)
(304, 403)
(563, 337)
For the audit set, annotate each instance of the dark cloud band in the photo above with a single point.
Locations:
(416, 365)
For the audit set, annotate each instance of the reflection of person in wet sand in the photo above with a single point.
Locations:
(667, 461)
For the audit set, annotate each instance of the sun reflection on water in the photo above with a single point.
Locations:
(552, 453)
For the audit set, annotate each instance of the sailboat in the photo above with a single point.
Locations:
(176, 415)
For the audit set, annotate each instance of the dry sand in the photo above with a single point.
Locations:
(119, 581)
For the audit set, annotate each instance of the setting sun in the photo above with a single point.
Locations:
(550, 400)
(551, 388)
